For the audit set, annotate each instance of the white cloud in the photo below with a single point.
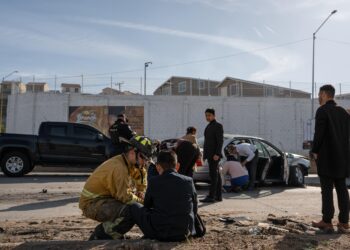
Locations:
(270, 29)
(225, 5)
(258, 32)
(67, 44)
(278, 60)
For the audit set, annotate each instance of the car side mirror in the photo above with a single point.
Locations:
(99, 137)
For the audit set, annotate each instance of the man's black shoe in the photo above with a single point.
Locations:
(207, 200)
(218, 199)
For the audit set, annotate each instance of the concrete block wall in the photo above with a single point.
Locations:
(279, 120)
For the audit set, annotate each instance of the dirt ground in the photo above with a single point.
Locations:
(40, 212)
(243, 233)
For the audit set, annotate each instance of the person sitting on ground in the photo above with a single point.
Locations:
(170, 204)
(238, 173)
(115, 183)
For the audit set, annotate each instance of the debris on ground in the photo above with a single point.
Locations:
(44, 191)
(272, 232)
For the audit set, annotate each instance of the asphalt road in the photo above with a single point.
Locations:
(45, 195)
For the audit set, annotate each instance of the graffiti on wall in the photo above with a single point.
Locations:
(102, 117)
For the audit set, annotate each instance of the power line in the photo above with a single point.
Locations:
(188, 62)
(334, 41)
(228, 56)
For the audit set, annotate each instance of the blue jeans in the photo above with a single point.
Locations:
(240, 181)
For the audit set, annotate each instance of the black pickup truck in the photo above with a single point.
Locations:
(58, 144)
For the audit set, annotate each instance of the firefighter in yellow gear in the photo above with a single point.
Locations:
(117, 182)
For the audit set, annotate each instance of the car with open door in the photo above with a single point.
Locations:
(274, 165)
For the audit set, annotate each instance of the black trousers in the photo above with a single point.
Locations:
(140, 216)
(327, 185)
(215, 180)
(252, 167)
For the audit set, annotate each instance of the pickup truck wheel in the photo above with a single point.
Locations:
(296, 176)
(15, 164)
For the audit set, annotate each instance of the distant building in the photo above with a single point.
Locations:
(237, 87)
(111, 91)
(37, 87)
(12, 87)
(8, 88)
(70, 88)
(177, 85)
(343, 96)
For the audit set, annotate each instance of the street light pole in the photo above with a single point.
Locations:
(146, 65)
(313, 63)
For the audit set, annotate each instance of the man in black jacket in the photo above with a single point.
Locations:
(170, 203)
(118, 131)
(213, 141)
(331, 150)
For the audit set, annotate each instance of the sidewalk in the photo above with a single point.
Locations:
(313, 180)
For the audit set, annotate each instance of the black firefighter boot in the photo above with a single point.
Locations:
(100, 234)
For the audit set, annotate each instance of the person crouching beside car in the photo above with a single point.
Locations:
(238, 174)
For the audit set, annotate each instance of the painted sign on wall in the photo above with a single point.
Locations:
(102, 117)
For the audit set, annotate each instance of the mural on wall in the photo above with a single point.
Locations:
(102, 117)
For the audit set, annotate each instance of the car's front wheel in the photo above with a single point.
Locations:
(296, 176)
(15, 164)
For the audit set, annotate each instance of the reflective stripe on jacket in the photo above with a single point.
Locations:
(111, 179)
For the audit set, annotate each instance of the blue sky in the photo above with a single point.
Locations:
(265, 40)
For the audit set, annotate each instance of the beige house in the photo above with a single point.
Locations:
(70, 88)
(177, 85)
(12, 87)
(111, 91)
(237, 87)
(37, 87)
(8, 88)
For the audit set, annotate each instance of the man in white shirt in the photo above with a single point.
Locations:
(251, 162)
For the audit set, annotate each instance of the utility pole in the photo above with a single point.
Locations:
(145, 87)
(340, 97)
(111, 82)
(290, 88)
(82, 83)
(33, 78)
(55, 82)
(119, 84)
(140, 85)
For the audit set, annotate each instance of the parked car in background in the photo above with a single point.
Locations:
(274, 165)
(57, 144)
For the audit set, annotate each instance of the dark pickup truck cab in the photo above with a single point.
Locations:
(58, 144)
